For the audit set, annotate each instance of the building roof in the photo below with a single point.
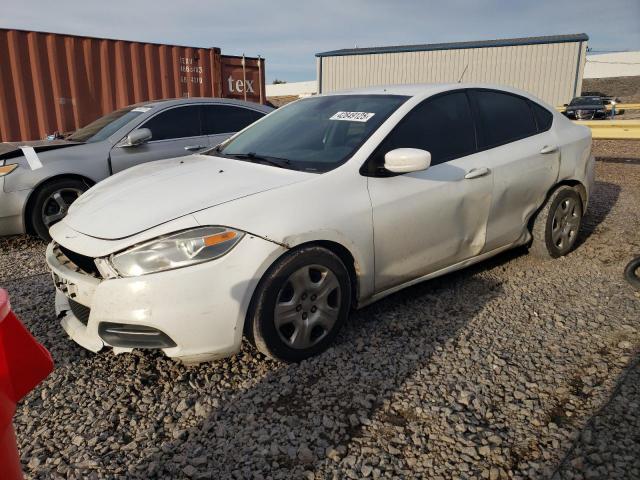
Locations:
(505, 42)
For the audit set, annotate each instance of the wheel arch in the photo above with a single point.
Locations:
(32, 195)
(347, 258)
(576, 184)
(342, 252)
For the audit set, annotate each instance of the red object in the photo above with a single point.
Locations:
(23, 364)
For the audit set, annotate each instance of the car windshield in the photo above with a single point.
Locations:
(104, 127)
(313, 134)
(586, 101)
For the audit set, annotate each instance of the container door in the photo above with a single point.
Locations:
(175, 132)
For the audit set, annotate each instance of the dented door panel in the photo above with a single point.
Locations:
(522, 178)
(428, 220)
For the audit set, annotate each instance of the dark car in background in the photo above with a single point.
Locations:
(586, 108)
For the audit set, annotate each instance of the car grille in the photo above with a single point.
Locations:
(80, 311)
(584, 114)
(84, 263)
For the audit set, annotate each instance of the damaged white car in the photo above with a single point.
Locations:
(323, 206)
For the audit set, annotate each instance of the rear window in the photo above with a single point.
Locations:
(227, 119)
(503, 118)
(544, 118)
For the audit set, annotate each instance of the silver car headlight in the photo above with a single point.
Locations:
(177, 250)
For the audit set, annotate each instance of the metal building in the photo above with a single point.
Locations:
(549, 67)
(53, 82)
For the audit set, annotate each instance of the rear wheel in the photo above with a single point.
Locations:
(51, 203)
(632, 273)
(556, 226)
(300, 305)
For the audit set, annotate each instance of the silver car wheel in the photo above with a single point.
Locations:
(56, 206)
(308, 306)
(565, 224)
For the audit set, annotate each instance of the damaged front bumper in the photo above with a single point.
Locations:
(195, 313)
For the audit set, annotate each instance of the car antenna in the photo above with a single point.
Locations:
(463, 72)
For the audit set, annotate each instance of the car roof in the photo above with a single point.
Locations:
(169, 102)
(424, 90)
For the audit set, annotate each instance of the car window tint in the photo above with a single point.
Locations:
(544, 118)
(443, 126)
(227, 119)
(176, 122)
(503, 118)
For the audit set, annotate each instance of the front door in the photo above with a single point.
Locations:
(175, 132)
(425, 221)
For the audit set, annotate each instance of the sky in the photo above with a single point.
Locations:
(288, 33)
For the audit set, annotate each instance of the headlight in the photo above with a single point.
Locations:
(7, 169)
(180, 249)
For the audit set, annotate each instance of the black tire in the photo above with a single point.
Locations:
(42, 214)
(632, 273)
(551, 218)
(272, 291)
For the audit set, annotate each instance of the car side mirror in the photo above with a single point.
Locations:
(405, 160)
(137, 137)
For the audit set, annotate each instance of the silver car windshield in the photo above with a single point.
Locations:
(104, 127)
(313, 134)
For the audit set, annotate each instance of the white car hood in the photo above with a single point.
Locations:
(148, 195)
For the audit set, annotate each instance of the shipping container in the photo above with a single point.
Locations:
(549, 67)
(57, 83)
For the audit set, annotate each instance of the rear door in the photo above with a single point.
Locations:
(176, 131)
(523, 156)
(425, 221)
(220, 121)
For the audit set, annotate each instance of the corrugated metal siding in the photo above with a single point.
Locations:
(52, 82)
(546, 70)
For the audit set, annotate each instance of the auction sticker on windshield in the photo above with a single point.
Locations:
(352, 116)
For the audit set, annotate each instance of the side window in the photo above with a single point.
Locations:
(442, 125)
(227, 118)
(503, 118)
(544, 118)
(176, 122)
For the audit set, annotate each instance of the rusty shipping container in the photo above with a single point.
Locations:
(57, 83)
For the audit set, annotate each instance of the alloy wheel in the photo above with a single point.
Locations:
(56, 206)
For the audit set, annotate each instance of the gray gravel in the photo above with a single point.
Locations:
(510, 369)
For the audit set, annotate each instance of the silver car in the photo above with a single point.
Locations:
(39, 180)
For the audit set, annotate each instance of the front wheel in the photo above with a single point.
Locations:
(556, 226)
(300, 305)
(51, 203)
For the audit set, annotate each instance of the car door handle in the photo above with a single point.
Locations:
(548, 149)
(477, 173)
(191, 148)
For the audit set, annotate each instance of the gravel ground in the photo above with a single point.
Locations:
(513, 368)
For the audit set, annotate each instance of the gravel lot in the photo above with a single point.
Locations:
(510, 369)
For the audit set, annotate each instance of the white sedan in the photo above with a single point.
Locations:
(325, 205)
